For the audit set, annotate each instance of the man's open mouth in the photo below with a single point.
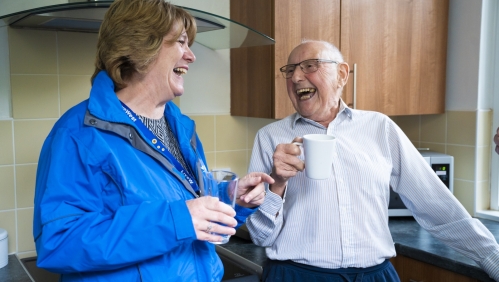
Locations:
(305, 93)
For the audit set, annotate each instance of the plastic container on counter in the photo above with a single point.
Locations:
(4, 248)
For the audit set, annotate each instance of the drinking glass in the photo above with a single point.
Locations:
(222, 185)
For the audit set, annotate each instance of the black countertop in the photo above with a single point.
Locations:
(13, 271)
(410, 240)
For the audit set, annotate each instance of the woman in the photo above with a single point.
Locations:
(120, 175)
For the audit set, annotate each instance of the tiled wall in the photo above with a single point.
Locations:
(50, 72)
(464, 135)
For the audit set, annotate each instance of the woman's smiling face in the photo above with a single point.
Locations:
(171, 64)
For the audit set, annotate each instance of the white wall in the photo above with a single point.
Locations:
(463, 48)
(488, 84)
(207, 84)
(5, 111)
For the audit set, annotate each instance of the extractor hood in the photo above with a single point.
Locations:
(214, 31)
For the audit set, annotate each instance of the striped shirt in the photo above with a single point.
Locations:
(163, 131)
(343, 221)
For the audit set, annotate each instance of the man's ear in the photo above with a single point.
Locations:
(343, 72)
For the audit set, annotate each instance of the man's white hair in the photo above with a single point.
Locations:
(333, 50)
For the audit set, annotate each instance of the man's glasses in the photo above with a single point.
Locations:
(307, 66)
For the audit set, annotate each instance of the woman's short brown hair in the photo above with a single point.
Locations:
(132, 34)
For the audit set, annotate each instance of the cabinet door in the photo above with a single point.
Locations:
(413, 270)
(257, 87)
(399, 48)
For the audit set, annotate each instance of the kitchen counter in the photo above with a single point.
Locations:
(410, 240)
(13, 271)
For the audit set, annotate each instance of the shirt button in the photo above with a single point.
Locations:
(130, 135)
(93, 121)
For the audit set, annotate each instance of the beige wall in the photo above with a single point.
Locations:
(464, 135)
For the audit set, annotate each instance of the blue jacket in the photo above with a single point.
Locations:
(109, 207)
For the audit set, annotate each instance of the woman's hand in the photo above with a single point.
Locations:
(206, 213)
(251, 190)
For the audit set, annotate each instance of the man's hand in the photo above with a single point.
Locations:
(286, 165)
(496, 140)
(251, 190)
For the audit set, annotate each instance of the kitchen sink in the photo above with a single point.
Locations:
(233, 272)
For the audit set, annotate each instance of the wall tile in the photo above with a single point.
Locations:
(35, 96)
(410, 126)
(236, 160)
(25, 185)
(463, 190)
(230, 133)
(32, 51)
(483, 163)
(485, 133)
(25, 227)
(254, 124)
(73, 89)
(7, 190)
(464, 161)
(461, 128)
(433, 128)
(76, 52)
(8, 222)
(26, 254)
(211, 160)
(176, 101)
(205, 127)
(437, 147)
(6, 143)
(483, 195)
(29, 137)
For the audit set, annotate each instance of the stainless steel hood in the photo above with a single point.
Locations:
(214, 31)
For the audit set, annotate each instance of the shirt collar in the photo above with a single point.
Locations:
(344, 110)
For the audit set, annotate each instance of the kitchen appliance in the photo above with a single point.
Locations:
(214, 31)
(442, 164)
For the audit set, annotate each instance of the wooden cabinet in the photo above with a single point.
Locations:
(398, 46)
(400, 50)
(411, 270)
(257, 87)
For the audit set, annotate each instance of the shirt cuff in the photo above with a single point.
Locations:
(490, 263)
(272, 203)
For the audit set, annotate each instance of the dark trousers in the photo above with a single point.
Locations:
(289, 271)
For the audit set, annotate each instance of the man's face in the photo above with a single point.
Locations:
(314, 94)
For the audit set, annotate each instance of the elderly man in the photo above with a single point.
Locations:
(322, 230)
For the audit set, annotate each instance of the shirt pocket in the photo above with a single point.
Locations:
(370, 175)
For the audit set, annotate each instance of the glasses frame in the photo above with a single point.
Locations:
(283, 68)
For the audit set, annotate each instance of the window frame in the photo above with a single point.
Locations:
(488, 86)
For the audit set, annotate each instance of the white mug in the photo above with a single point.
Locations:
(319, 152)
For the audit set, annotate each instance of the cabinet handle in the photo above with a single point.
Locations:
(412, 280)
(354, 71)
